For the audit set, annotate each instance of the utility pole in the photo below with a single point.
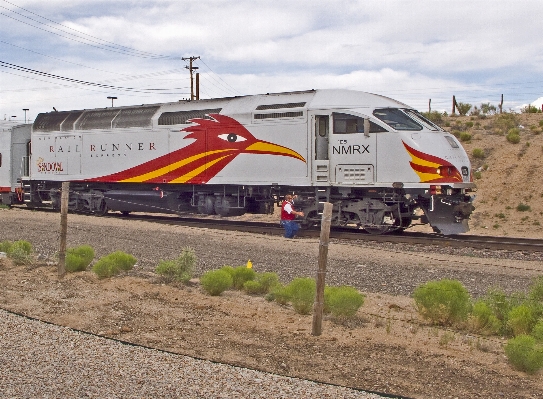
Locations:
(191, 70)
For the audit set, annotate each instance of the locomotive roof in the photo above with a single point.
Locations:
(173, 113)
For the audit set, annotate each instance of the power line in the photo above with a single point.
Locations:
(107, 45)
(77, 81)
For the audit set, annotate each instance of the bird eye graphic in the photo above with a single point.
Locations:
(232, 137)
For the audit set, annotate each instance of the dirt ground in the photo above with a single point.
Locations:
(386, 348)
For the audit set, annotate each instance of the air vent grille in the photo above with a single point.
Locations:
(181, 117)
(280, 106)
(276, 115)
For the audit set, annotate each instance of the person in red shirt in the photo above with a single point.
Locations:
(288, 216)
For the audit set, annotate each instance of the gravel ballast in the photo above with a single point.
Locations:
(40, 360)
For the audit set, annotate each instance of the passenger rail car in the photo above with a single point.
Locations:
(378, 161)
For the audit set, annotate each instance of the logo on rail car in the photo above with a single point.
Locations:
(217, 141)
(44, 166)
(432, 169)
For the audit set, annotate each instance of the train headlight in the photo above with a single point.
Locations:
(435, 190)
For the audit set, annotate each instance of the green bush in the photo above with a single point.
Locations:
(478, 153)
(524, 354)
(487, 108)
(537, 331)
(342, 302)
(262, 284)
(434, 116)
(279, 294)
(112, 264)
(536, 290)
(240, 275)
(105, 267)
(79, 258)
(523, 207)
(20, 252)
(5, 246)
(464, 136)
(180, 269)
(530, 109)
(521, 320)
(215, 282)
(301, 292)
(444, 302)
(463, 108)
(123, 260)
(483, 320)
(513, 136)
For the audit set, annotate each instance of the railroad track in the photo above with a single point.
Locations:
(406, 237)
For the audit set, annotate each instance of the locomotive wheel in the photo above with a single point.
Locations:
(102, 210)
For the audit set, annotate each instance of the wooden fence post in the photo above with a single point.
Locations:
(501, 104)
(64, 198)
(318, 306)
(453, 105)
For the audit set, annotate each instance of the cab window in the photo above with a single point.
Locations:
(349, 124)
(396, 119)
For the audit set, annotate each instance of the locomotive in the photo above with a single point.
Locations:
(379, 162)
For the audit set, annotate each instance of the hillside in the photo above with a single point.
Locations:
(509, 174)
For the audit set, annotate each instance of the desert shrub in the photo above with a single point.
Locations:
(279, 294)
(112, 264)
(464, 136)
(463, 108)
(523, 207)
(537, 331)
(513, 136)
(478, 153)
(469, 124)
(502, 304)
(521, 320)
(524, 354)
(487, 108)
(180, 269)
(20, 252)
(105, 267)
(123, 260)
(342, 302)
(540, 123)
(483, 320)
(477, 175)
(240, 275)
(79, 258)
(262, 284)
(530, 109)
(536, 290)
(434, 116)
(505, 121)
(443, 302)
(4, 246)
(301, 292)
(215, 282)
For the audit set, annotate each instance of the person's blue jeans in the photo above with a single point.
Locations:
(291, 228)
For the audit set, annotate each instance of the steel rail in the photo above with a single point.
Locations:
(406, 237)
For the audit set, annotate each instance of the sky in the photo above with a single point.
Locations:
(74, 54)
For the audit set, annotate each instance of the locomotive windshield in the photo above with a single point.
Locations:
(404, 119)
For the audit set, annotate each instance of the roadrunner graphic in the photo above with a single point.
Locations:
(217, 141)
(432, 169)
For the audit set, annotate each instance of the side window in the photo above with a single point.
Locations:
(349, 124)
